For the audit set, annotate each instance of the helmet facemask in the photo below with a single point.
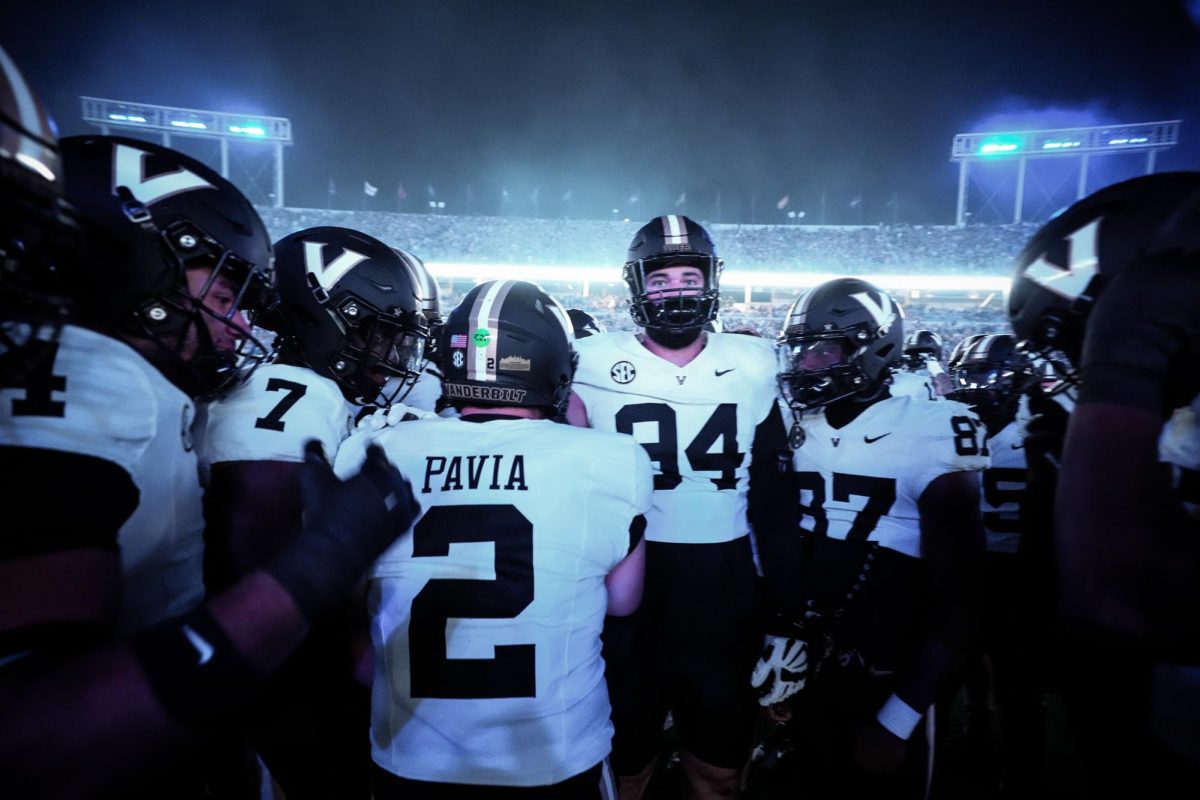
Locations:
(383, 354)
(178, 320)
(816, 369)
(676, 310)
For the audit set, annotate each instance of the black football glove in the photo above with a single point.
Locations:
(347, 525)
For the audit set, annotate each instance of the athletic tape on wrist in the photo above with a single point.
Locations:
(195, 670)
(898, 717)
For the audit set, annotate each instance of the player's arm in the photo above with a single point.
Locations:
(773, 508)
(118, 710)
(952, 544)
(624, 583)
(1129, 558)
(251, 510)
(59, 563)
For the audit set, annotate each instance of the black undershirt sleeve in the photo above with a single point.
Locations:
(773, 507)
(57, 501)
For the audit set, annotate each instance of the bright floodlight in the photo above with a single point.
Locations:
(168, 121)
(1141, 137)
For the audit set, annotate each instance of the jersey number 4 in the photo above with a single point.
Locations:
(511, 673)
(31, 367)
(665, 451)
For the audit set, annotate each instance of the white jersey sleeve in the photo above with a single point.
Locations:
(696, 422)
(272, 415)
(88, 394)
(486, 619)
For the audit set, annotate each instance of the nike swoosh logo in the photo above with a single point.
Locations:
(720, 372)
(1018, 447)
(203, 648)
(869, 440)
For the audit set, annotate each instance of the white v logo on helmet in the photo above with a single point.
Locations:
(880, 312)
(329, 274)
(1082, 264)
(129, 170)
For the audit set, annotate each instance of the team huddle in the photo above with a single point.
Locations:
(397, 550)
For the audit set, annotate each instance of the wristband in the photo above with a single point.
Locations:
(195, 670)
(898, 717)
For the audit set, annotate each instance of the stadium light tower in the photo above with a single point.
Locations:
(169, 121)
(1081, 143)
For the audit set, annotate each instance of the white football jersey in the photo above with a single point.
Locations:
(1003, 488)
(73, 404)
(863, 481)
(162, 544)
(272, 415)
(697, 423)
(486, 619)
(427, 391)
(915, 385)
(97, 396)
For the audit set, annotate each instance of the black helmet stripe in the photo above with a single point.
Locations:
(485, 316)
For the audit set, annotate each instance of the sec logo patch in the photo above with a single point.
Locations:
(623, 372)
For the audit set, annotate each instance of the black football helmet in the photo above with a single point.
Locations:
(584, 323)
(508, 343)
(990, 373)
(429, 298)
(959, 347)
(920, 346)
(350, 311)
(1065, 266)
(151, 216)
(853, 328)
(673, 240)
(31, 190)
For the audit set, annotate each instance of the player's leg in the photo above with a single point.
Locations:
(714, 648)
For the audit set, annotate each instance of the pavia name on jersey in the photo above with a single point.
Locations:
(452, 472)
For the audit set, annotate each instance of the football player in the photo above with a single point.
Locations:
(104, 404)
(921, 373)
(993, 376)
(702, 404)
(1112, 283)
(487, 621)
(348, 322)
(883, 579)
(427, 392)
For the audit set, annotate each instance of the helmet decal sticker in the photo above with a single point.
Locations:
(328, 275)
(129, 170)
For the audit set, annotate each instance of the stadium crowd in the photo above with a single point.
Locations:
(900, 249)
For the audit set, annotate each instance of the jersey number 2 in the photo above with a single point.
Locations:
(511, 673)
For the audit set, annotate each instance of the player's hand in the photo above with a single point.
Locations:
(347, 525)
(393, 415)
(782, 669)
(876, 749)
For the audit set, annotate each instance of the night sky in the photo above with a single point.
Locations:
(576, 108)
